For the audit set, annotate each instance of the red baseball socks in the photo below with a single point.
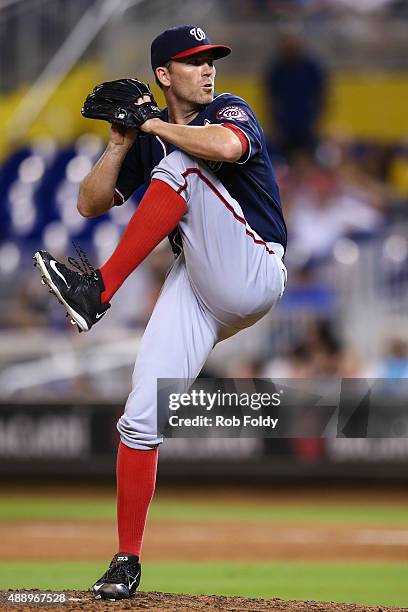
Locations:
(136, 479)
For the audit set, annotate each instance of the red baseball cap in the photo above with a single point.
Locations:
(183, 41)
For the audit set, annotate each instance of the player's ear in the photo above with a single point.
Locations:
(162, 74)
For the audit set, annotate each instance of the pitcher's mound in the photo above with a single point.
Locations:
(169, 602)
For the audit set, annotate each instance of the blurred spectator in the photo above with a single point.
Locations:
(324, 205)
(295, 364)
(320, 353)
(296, 87)
(398, 172)
(27, 309)
(309, 291)
(394, 362)
(245, 368)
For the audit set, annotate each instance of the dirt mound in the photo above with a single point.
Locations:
(168, 602)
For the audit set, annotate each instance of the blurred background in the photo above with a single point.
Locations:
(328, 80)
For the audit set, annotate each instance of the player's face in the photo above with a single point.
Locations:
(192, 79)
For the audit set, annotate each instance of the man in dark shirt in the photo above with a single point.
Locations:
(296, 84)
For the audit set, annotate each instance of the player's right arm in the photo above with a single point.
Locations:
(97, 190)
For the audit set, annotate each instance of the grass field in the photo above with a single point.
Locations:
(371, 583)
(38, 508)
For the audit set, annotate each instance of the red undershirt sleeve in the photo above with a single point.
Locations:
(241, 135)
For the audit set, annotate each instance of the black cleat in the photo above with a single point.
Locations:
(79, 292)
(120, 580)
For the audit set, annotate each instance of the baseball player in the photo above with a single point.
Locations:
(212, 190)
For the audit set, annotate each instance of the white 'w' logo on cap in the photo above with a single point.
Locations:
(197, 33)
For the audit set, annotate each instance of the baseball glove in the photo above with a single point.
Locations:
(115, 102)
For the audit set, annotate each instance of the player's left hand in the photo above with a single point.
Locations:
(125, 102)
(147, 126)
